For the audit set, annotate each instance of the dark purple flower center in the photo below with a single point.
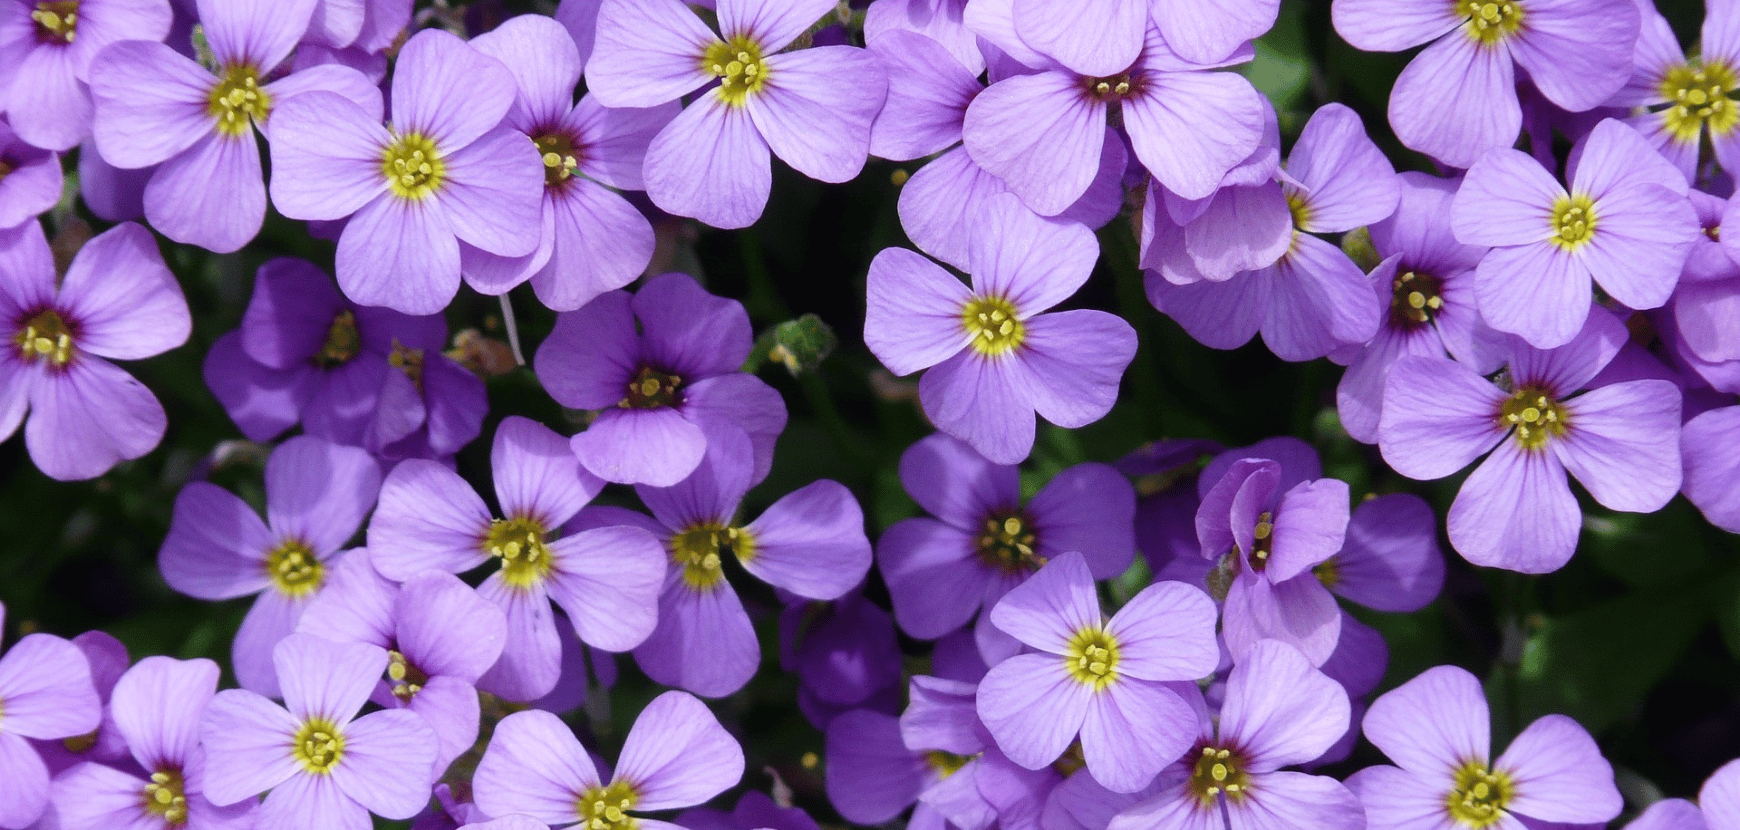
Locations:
(57, 21)
(1007, 542)
(1535, 414)
(1113, 87)
(343, 341)
(561, 156)
(166, 796)
(1479, 795)
(1219, 770)
(45, 336)
(1263, 539)
(406, 678)
(1415, 299)
(652, 389)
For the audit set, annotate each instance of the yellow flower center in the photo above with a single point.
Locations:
(945, 764)
(409, 361)
(1297, 206)
(343, 341)
(294, 569)
(992, 323)
(1573, 221)
(166, 796)
(1479, 796)
(46, 336)
(651, 389)
(560, 157)
(1535, 414)
(236, 98)
(1698, 95)
(1415, 299)
(1219, 771)
(318, 746)
(406, 678)
(520, 544)
(1092, 657)
(606, 808)
(57, 21)
(738, 65)
(699, 549)
(1007, 542)
(1490, 21)
(1262, 541)
(413, 167)
(1327, 572)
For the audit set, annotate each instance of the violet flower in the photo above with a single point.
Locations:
(32, 181)
(998, 358)
(1683, 99)
(317, 494)
(1101, 37)
(118, 301)
(1718, 806)
(325, 766)
(46, 49)
(1712, 470)
(1436, 729)
(844, 653)
(46, 694)
(1108, 688)
(676, 755)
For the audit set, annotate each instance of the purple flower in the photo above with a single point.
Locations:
(118, 301)
(676, 755)
(593, 239)
(1718, 806)
(754, 810)
(1101, 37)
(985, 541)
(1625, 223)
(662, 369)
(46, 49)
(997, 357)
(942, 21)
(1279, 711)
(845, 655)
(1457, 99)
(46, 694)
(605, 579)
(711, 162)
(31, 182)
(448, 170)
(1516, 511)
(317, 494)
(325, 767)
(1390, 560)
(1436, 729)
(1685, 99)
(1712, 470)
(108, 659)
(440, 638)
(157, 708)
(1108, 687)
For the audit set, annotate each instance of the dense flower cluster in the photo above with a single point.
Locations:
(1152, 644)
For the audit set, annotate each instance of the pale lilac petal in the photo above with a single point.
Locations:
(941, 205)
(433, 605)
(1095, 37)
(27, 784)
(1220, 315)
(1243, 228)
(740, 401)
(1280, 710)
(536, 474)
(1641, 244)
(1132, 731)
(913, 315)
(311, 801)
(1073, 361)
(1050, 608)
(1720, 797)
(773, 24)
(46, 684)
(1620, 444)
(326, 156)
(354, 603)
(1033, 262)
(689, 331)
(545, 62)
(428, 517)
(1505, 199)
(157, 707)
(982, 401)
(647, 52)
(929, 567)
(1401, 799)
(216, 546)
(1166, 632)
(1575, 52)
(1670, 814)
(447, 91)
(608, 580)
(592, 354)
(1040, 135)
(153, 103)
(272, 617)
(1173, 807)
(601, 242)
(319, 492)
(1299, 612)
(710, 163)
(1391, 561)
(1573, 365)
(258, 33)
(247, 744)
(493, 197)
(534, 765)
(1206, 38)
(1190, 128)
(388, 763)
(1309, 527)
(336, 23)
(954, 483)
(811, 542)
(1319, 300)
(640, 446)
(813, 122)
(616, 139)
(1712, 476)
(212, 196)
(88, 796)
(677, 754)
(1391, 25)
(452, 708)
(1515, 512)
(1347, 181)
(1088, 508)
(1438, 416)
(1559, 774)
(1287, 800)
(91, 418)
(928, 94)
(326, 680)
(343, 80)
(1455, 101)
(398, 253)
(1033, 707)
(939, 20)
(128, 304)
(50, 106)
(704, 641)
(1432, 724)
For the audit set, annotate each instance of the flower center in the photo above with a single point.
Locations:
(46, 336)
(1696, 95)
(166, 796)
(1007, 542)
(1327, 572)
(406, 678)
(1479, 796)
(1298, 208)
(294, 569)
(560, 157)
(1219, 770)
(237, 98)
(318, 746)
(606, 808)
(525, 558)
(1415, 299)
(409, 361)
(651, 389)
(738, 65)
(1573, 221)
(57, 21)
(1535, 414)
(1262, 540)
(945, 764)
(413, 167)
(1112, 87)
(1490, 21)
(1092, 658)
(343, 341)
(698, 551)
(992, 324)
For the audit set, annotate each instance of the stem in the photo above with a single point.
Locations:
(513, 330)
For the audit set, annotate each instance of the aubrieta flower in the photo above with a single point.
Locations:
(1516, 510)
(661, 366)
(46, 50)
(317, 494)
(1684, 99)
(712, 162)
(676, 755)
(1101, 37)
(118, 301)
(984, 540)
(995, 357)
(109, 660)
(1437, 730)
(1712, 471)
(1457, 98)
(1718, 806)
(325, 766)
(1624, 223)
(607, 580)
(1103, 680)
(30, 179)
(844, 653)
(1278, 712)
(157, 708)
(448, 170)
(45, 694)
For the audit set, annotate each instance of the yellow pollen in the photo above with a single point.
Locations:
(407, 679)
(606, 808)
(993, 324)
(413, 167)
(1219, 771)
(1327, 572)
(1490, 21)
(57, 21)
(166, 796)
(318, 746)
(520, 544)
(738, 65)
(1111, 88)
(1007, 543)
(945, 764)
(294, 569)
(1479, 795)
(237, 97)
(561, 157)
(1092, 657)
(651, 389)
(1573, 221)
(409, 361)
(1298, 207)
(1535, 415)
(343, 341)
(1698, 95)
(46, 336)
(699, 551)
(1415, 299)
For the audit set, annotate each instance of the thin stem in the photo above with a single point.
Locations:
(513, 330)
